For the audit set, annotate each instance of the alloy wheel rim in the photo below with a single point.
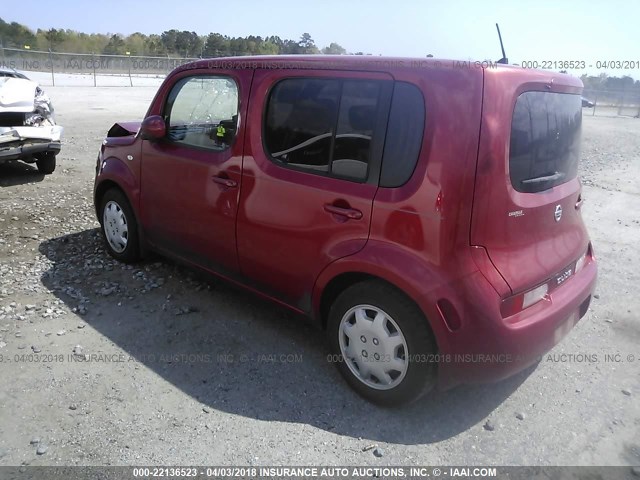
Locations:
(373, 347)
(116, 228)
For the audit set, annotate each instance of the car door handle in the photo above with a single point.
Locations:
(227, 182)
(351, 213)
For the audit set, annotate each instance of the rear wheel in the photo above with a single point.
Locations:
(383, 343)
(119, 226)
(46, 163)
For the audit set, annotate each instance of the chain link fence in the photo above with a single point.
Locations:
(70, 69)
(86, 69)
(608, 103)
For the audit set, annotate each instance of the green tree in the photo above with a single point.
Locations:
(188, 44)
(116, 46)
(238, 46)
(334, 49)
(153, 46)
(16, 35)
(290, 47)
(169, 42)
(168, 39)
(135, 44)
(277, 41)
(268, 48)
(216, 46)
(307, 45)
(54, 37)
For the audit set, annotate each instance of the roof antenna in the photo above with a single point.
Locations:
(504, 58)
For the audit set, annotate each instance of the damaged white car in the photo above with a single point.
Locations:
(28, 130)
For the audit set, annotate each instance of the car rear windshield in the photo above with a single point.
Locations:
(545, 140)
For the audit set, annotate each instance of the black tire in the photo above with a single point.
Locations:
(46, 163)
(420, 376)
(118, 203)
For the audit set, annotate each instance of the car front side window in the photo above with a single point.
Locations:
(202, 111)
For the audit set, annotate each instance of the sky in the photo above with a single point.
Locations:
(540, 30)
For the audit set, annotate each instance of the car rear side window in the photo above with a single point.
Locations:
(405, 131)
(324, 126)
(545, 140)
(202, 111)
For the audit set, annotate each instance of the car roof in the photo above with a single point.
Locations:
(346, 62)
(371, 63)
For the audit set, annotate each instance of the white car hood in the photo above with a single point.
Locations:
(17, 95)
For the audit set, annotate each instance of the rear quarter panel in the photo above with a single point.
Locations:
(430, 215)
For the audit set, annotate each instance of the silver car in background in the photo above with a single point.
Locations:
(28, 130)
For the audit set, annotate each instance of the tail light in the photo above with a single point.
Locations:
(517, 303)
(534, 296)
(584, 259)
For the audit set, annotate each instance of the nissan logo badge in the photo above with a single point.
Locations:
(558, 213)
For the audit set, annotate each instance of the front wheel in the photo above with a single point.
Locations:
(119, 226)
(383, 342)
(46, 163)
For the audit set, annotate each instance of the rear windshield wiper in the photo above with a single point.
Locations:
(544, 178)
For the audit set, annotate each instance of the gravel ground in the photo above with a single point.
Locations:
(154, 364)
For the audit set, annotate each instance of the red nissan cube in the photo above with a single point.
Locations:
(424, 213)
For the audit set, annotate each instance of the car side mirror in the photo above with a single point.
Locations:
(153, 128)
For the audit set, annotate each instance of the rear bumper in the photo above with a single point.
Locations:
(27, 150)
(486, 347)
(25, 141)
